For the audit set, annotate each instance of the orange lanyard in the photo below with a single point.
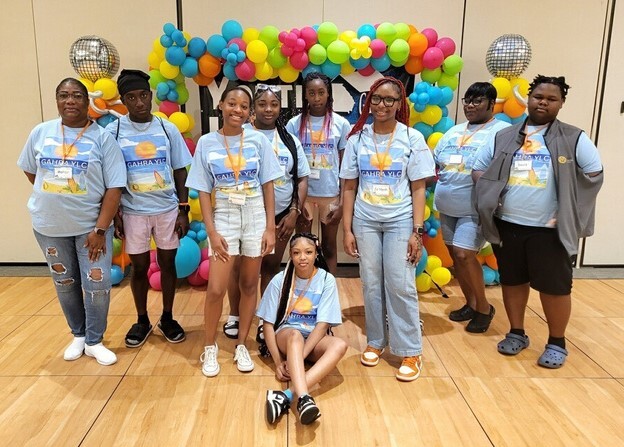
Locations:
(67, 149)
(465, 139)
(303, 292)
(382, 161)
(527, 135)
(316, 144)
(236, 169)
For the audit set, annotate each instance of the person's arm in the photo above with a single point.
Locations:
(97, 243)
(182, 221)
(31, 177)
(348, 199)
(281, 370)
(218, 245)
(335, 215)
(319, 331)
(476, 175)
(268, 237)
(414, 245)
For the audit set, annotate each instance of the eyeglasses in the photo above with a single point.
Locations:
(273, 88)
(387, 100)
(474, 101)
(64, 96)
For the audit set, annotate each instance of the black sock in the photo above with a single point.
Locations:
(557, 341)
(143, 319)
(166, 316)
(517, 332)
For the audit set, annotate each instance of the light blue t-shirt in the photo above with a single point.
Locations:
(530, 197)
(322, 152)
(319, 304)
(386, 197)
(213, 168)
(454, 154)
(150, 156)
(67, 194)
(284, 186)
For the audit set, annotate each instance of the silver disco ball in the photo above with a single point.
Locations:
(93, 58)
(508, 56)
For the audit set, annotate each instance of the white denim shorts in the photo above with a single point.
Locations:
(242, 226)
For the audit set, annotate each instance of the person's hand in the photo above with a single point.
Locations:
(268, 242)
(181, 225)
(281, 372)
(350, 245)
(96, 245)
(414, 248)
(119, 227)
(287, 225)
(335, 214)
(219, 247)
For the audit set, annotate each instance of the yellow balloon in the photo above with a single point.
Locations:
(264, 71)
(348, 36)
(195, 207)
(414, 117)
(108, 87)
(87, 83)
(287, 73)
(427, 212)
(431, 115)
(423, 282)
(257, 51)
(250, 34)
(433, 139)
(433, 263)
(158, 48)
(152, 244)
(522, 84)
(160, 115)
(154, 59)
(191, 122)
(180, 120)
(502, 86)
(167, 70)
(441, 276)
(347, 68)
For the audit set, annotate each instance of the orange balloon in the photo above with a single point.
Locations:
(498, 108)
(122, 260)
(491, 261)
(120, 108)
(93, 114)
(202, 80)
(513, 108)
(435, 246)
(418, 44)
(481, 259)
(414, 65)
(412, 29)
(209, 65)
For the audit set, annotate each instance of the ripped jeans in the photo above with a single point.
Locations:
(86, 312)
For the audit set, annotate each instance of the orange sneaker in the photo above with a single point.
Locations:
(370, 356)
(410, 369)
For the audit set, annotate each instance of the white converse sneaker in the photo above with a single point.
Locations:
(103, 355)
(243, 360)
(210, 366)
(75, 350)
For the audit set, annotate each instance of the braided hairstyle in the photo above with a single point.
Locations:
(559, 81)
(289, 274)
(402, 114)
(305, 108)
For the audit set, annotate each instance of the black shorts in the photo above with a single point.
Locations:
(280, 216)
(533, 255)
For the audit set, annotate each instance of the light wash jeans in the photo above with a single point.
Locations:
(389, 286)
(86, 313)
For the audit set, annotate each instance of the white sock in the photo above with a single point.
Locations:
(233, 318)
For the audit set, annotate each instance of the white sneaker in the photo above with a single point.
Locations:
(242, 359)
(75, 350)
(103, 355)
(210, 366)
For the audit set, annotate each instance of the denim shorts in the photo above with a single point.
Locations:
(138, 228)
(242, 226)
(462, 232)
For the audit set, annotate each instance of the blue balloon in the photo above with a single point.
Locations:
(413, 97)
(425, 129)
(360, 63)
(196, 47)
(195, 225)
(193, 194)
(166, 41)
(443, 125)
(172, 84)
(419, 107)
(422, 98)
(444, 110)
(175, 55)
(311, 68)
(189, 67)
(224, 53)
(420, 267)
(187, 258)
(435, 223)
(161, 96)
(240, 56)
(228, 71)
(489, 275)
(380, 63)
(162, 89)
(233, 48)
(215, 44)
(202, 235)
(178, 38)
(173, 96)
(117, 275)
(432, 233)
(520, 119)
(231, 29)
(192, 234)
(169, 28)
(447, 96)
(427, 225)
(502, 117)
(105, 120)
(231, 59)
(435, 95)
(367, 30)
(330, 69)
(422, 87)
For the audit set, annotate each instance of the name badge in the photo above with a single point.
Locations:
(315, 174)
(63, 172)
(455, 159)
(523, 165)
(237, 199)
(381, 190)
(283, 166)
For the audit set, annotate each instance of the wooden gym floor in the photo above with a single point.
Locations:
(468, 394)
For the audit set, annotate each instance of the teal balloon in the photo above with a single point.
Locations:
(175, 55)
(420, 267)
(425, 129)
(360, 63)
(330, 69)
(187, 257)
(380, 63)
(196, 47)
(231, 29)
(367, 30)
(215, 45)
(189, 67)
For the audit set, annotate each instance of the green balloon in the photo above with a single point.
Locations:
(317, 54)
(155, 78)
(386, 32)
(276, 59)
(117, 245)
(327, 33)
(269, 35)
(398, 50)
(402, 30)
(447, 80)
(338, 52)
(183, 94)
(453, 64)
(431, 76)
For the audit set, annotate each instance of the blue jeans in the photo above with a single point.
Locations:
(389, 286)
(86, 313)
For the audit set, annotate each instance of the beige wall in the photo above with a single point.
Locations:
(565, 40)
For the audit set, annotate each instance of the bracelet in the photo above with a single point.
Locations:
(296, 208)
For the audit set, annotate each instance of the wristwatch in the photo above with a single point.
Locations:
(100, 231)
(419, 230)
(184, 207)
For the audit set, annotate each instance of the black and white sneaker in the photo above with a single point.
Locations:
(308, 411)
(276, 405)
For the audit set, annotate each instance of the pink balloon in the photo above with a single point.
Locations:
(246, 70)
(433, 58)
(204, 268)
(195, 279)
(153, 256)
(204, 253)
(296, 32)
(300, 45)
(366, 71)
(378, 47)
(447, 45)
(168, 107)
(191, 145)
(287, 50)
(299, 60)
(431, 35)
(291, 39)
(282, 36)
(308, 34)
(154, 281)
(242, 45)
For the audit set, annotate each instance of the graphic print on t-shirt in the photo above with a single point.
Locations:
(304, 311)
(146, 163)
(319, 149)
(531, 164)
(64, 166)
(234, 174)
(380, 174)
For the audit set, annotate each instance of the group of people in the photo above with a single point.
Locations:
(260, 180)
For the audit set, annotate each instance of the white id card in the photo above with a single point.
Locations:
(63, 172)
(237, 199)
(381, 190)
(315, 174)
(455, 159)
(283, 165)
(523, 165)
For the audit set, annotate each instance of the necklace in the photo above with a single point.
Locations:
(526, 146)
(301, 295)
(381, 161)
(67, 150)
(139, 128)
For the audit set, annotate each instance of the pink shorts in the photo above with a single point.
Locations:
(324, 205)
(139, 228)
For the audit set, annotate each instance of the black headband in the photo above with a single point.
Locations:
(130, 80)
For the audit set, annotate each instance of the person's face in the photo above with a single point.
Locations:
(303, 254)
(544, 103)
(72, 104)
(235, 109)
(384, 94)
(266, 108)
(478, 109)
(139, 104)
(317, 95)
